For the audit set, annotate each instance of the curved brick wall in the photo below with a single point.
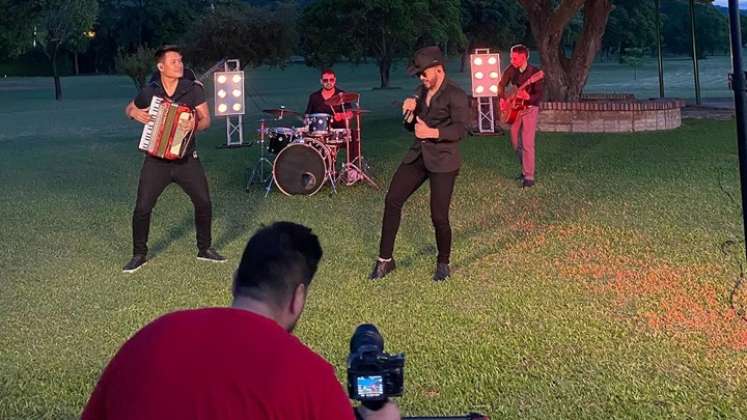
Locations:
(608, 114)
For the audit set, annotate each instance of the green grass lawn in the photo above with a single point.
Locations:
(600, 293)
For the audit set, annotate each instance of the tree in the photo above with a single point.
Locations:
(711, 28)
(137, 65)
(62, 25)
(385, 30)
(566, 76)
(634, 58)
(256, 36)
(632, 24)
(17, 35)
(495, 24)
(131, 24)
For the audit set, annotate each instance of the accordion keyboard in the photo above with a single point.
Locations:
(148, 131)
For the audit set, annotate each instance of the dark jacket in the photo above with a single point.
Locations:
(449, 112)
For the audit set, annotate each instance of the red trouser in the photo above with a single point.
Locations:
(526, 122)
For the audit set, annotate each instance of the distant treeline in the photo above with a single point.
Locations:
(271, 32)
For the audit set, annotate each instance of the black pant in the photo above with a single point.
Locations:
(155, 176)
(407, 179)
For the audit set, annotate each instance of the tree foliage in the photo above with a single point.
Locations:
(16, 35)
(711, 29)
(632, 24)
(384, 30)
(63, 25)
(494, 24)
(565, 76)
(137, 65)
(633, 57)
(254, 35)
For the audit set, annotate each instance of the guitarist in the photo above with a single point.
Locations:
(526, 121)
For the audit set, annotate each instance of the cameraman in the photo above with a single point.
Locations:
(237, 362)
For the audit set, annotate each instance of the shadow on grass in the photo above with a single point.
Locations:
(175, 232)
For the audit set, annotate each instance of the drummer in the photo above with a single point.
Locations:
(316, 105)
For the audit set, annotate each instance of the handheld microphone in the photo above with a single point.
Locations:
(408, 116)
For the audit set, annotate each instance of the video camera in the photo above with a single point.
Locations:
(373, 376)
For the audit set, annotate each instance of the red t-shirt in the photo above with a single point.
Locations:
(217, 363)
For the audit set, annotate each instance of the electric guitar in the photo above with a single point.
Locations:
(516, 105)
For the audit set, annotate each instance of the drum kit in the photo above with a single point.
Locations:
(304, 158)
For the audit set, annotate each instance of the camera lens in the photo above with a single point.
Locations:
(366, 335)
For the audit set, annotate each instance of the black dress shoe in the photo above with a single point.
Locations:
(442, 272)
(382, 268)
(137, 261)
(210, 255)
(528, 183)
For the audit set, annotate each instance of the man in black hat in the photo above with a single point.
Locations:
(438, 115)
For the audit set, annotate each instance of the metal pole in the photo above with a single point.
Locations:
(658, 50)
(696, 74)
(739, 100)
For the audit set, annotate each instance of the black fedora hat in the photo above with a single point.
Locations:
(425, 58)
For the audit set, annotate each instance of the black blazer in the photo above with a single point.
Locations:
(449, 112)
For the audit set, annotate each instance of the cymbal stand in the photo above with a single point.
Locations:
(258, 172)
(359, 158)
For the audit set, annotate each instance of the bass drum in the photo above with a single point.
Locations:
(301, 167)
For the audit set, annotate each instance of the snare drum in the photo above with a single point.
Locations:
(317, 124)
(337, 136)
(279, 138)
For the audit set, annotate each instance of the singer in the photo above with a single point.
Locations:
(438, 115)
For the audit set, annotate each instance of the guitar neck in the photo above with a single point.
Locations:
(536, 77)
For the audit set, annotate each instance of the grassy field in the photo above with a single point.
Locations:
(603, 292)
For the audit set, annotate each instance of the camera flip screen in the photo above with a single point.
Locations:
(370, 386)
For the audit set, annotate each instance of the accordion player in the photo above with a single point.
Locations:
(164, 135)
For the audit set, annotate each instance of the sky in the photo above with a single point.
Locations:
(742, 3)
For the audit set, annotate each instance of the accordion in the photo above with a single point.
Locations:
(163, 136)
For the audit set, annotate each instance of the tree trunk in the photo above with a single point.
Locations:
(465, 56)
(55, 73)
(565, 76)
(385, 65)
(75, 62)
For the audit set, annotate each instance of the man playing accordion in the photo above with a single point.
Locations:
(187, 172)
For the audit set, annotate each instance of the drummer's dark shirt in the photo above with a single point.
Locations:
(316, 105)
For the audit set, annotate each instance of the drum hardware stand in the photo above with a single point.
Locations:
(258, 171)
(348, 138)
(330, 172)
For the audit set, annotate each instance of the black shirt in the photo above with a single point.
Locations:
(188, 92)
(316, 105)
(517, 78)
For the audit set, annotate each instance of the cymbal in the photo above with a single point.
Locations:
(359, 111)
(280, 112)
(343, 98)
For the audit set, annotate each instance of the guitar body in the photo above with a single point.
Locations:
(516, 105)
